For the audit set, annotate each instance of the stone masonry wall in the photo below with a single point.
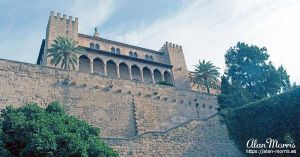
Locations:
(195, 138)
(121, 108)
(136, 119)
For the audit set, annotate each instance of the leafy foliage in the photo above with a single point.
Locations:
(249, 76)
(206, 73)
(276, 117)
(36, 132)
(285, 84)
(237, 97)
(64, 51)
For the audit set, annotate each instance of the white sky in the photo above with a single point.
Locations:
(206, 29)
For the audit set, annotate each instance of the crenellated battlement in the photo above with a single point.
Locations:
(63, 18)
(169, 45)
(172, 45)
(62, 26)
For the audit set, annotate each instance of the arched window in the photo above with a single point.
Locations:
(151, 58)
(147, 75)
(136, 73)
(130, 53)
(135, 55)
(157, 76)
(113, 50)
(98, 66)
(92, 45)
(97, 46)
(168, 78)
(124, 71)
(118, 51)
(84, 64)
(111, 69)
(147, 57)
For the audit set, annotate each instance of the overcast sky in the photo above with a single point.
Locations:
(205, 28)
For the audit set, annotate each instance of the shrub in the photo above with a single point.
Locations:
(33, 131)
(276, 117)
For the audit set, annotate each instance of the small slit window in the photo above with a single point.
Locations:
(113, 50)
(130, 53)
(92, 45)
(151, 58)
(118, 51)
(97, 46)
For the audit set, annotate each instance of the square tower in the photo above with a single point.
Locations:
(59, 26)
(176, 58)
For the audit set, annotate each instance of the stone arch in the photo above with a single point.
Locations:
(168, 77)
(111, 68)
(97, 46)
(147, 75)
(124, 71)
(146, 57)
(157, 76)
(113, 50)
(135, 55)
(136, 73)
(92, 45)
(98, 66)
(84, 64)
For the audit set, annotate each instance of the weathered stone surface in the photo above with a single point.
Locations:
(122, 108)
(109, 105)
(195, 138)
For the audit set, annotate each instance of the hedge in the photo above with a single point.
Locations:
(277, 117)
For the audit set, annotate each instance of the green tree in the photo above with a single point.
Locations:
(207, 73)
(64, 51)
(36, 132)
(231, 96)
(285, 79)
(225, 85)
(294, 85)
(247, 67)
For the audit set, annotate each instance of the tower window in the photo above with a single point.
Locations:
(113, 50)
(147, 57)
(135, 55)
(97, 46)
(151, 58)
(130, 53)
(118, 51)
(92, 45)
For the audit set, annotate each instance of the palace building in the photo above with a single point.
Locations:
(118, 60)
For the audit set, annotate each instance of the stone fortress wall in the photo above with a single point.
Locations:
(137, 119)
(122, 108)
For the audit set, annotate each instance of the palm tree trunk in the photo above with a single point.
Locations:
(207, 87)
(67, 65)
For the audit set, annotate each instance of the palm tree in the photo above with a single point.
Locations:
(206, 73)
(64, 51)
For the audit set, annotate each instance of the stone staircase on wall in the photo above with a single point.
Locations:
(195, 137)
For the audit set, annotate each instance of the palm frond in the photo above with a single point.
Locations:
(63, 50)
(206, 73)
